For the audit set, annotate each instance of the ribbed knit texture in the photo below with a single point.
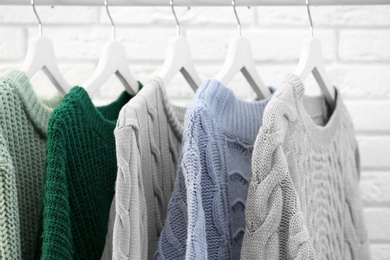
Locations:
(148, 137)
(304, 200)
(80, 176)
(206, 212)
(23, 123)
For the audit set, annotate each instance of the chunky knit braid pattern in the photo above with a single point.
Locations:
(206, 217)
(304, 200)
(148, 138)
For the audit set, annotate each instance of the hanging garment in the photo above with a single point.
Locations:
(304, 201)
(148, 138)
(206, 212)
(80, 176)
(23, 122)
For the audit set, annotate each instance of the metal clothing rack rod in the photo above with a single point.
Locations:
(196, 2)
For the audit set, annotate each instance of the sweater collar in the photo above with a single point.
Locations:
(321, 135)
(37, 110)
(102, 119)
(237, 118)
(175, 114)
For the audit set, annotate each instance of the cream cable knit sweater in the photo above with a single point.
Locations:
(303, 200)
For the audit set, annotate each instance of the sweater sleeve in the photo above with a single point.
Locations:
(108, 245)
(271, 213)
(183, 231)
(130, 227)
(9, 213)
(57, 237)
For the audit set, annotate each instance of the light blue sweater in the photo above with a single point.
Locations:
(206, 213)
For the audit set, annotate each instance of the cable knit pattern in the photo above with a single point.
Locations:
(80, 176)
(148, 138)
(23, 123)
(304, 200)
(206, 212)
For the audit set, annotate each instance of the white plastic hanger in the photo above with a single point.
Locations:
(311, 61)
(179, 59)
(240, 58)
(112, 61)
(41, 56)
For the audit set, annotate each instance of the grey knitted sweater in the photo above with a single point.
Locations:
(303, 200)
(148, 138)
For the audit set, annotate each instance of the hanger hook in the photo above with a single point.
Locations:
(112, 21)
(311, 21)
(39, 20)
(174, 14)
(238, 19)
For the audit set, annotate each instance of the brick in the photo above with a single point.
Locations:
(11, 43)
(377, 223)
(281, 15)
(163, 15)
(375, 188)
(146, 44)
(139, 15)
(76, 42)
(370, 115)
(351, 15)
(324, 16)
(87, 43)
(364, 45)
(221, 15)
(361, 81)
(374, 151)
(380, 252)
(204, 47)
(267, 45)
(49, 15)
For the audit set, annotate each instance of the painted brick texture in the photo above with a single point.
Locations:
(356, 46)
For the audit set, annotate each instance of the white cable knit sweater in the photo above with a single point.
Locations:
(304, 200)
(148, 138)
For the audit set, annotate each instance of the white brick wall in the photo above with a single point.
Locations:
(356, 45)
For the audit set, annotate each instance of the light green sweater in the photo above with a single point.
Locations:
(23, 123)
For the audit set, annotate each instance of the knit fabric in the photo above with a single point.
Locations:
(206, 212)
(148, 137)
(23, 122)
(80, 176)
(304, 201)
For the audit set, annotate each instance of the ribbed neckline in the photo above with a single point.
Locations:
(235, 117)
(37, 110)
(175, 114)
(103, 118)
(322, 136)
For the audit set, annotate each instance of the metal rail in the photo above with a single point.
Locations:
(196, 2)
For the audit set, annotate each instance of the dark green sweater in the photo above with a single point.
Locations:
(80, 176)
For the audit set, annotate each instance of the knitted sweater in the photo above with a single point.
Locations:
(148, 137)
(23, 123)
(80, 176)
(206, 212)
(303, 200)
